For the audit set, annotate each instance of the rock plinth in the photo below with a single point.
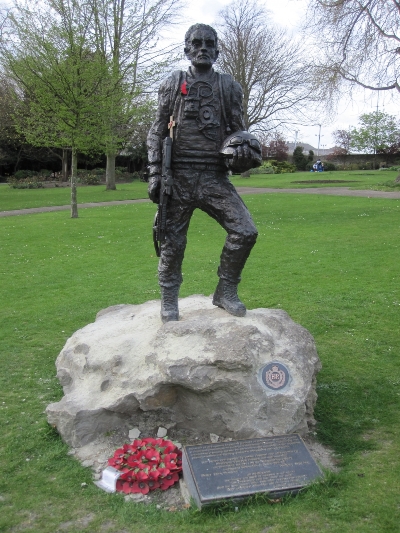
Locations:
(204, 372)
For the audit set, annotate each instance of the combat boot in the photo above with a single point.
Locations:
(169, 304)
(226, 296)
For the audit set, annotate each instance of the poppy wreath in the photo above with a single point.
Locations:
(147, 464)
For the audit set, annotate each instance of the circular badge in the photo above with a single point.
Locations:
(275, 376)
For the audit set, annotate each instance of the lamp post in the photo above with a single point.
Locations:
(319, 138)
(295, 139)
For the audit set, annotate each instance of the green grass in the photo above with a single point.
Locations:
(357, 179)
(26, 198)
(330, 262)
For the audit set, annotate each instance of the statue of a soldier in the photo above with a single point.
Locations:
(201, 111)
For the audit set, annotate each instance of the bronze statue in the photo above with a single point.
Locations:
(197, 136)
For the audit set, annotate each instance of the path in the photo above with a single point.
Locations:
(332, 191)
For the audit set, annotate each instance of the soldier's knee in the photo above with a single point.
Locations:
(250, 234)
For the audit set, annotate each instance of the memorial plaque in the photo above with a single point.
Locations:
(277, 465)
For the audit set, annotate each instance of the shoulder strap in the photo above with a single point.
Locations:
(225, 82)
(176, 77)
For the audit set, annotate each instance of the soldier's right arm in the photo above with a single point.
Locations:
(159, 129)
(157, 133)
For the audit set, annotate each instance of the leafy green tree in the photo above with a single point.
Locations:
(50, 53)
(378, 133)
(126, 33)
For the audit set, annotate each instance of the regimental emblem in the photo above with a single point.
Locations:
(201, 104)
(275, 376)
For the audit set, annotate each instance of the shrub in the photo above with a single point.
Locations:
(329, 166)
(283, 167)
(90, 177)
(98, 172)
(45, 174)
(261, 170)
(33, 182)
(22, 174)
(299, 159)
(390, 168)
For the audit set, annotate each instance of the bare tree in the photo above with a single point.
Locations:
(360, 41)
(342, 141)
(267, 63)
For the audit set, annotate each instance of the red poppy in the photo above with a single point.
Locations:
(142, 475)
(170, 461)
(149, 440)
(116, 463)
(168, 481)
(153, 485)
(152, 455)
(163, 471)
(140, 486)
(168, 446)
(128, 476)
(119, 453)
(128, 448)
(184, 88)
(127, 487)
(154, 474)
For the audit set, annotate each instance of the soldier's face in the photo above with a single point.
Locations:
(201, 49)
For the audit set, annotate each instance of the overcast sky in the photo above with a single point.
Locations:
(289, 13)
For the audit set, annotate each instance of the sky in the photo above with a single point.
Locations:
(289, 14)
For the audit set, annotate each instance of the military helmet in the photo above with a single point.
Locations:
(241, 138)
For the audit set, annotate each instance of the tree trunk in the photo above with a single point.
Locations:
(18, 159)
(110, 172)
(64, 165)
(74, 173)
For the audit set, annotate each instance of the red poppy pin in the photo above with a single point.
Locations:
(184, 88)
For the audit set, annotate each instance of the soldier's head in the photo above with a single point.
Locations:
(201, 45)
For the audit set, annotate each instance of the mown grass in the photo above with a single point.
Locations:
(26, 198)
(354, 179)
(330, 262)
(357, 179)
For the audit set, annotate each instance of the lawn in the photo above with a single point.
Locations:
(25, 198)
(354, 179)
(330, 262)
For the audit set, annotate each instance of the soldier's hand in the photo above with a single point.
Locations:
(153, 188)
(244, 156)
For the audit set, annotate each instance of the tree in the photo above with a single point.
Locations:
(267, 63)
(342, 141)
(378, 133)
(299, 159)
(127, 32)
(360, 40)
(50, 54)
(275, 146)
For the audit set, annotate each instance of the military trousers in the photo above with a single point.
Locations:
(212, 192)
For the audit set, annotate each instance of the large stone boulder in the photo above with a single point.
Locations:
(235, 377)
